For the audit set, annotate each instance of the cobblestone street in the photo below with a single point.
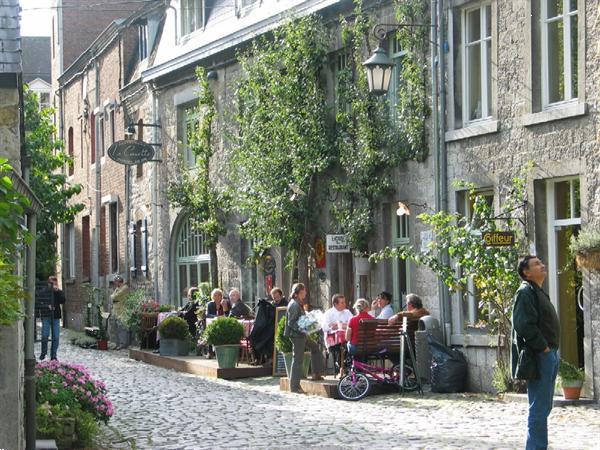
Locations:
(157, 408)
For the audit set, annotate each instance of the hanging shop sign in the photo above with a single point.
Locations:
(130, 152)
(499, 238)
(337, 243)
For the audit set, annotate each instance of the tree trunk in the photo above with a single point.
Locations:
(214, 267)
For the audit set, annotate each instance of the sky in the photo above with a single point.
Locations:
(35, 18)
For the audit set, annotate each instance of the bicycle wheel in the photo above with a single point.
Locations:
(354, 386)
(410, 379)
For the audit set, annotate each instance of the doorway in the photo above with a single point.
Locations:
(565, 282)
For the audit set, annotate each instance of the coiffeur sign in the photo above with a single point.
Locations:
(499, 238)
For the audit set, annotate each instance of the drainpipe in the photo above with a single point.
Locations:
(98, 184)
(155, 194)
(445, 294)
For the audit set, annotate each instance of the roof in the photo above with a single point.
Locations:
(10, 34)
(36, 58)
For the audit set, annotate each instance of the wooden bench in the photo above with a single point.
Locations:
(376, 335)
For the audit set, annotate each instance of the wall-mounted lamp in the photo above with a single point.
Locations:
(130, 132)
(403, 209)
(297, 192)
(212, 75)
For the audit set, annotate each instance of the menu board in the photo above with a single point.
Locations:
(278, 361)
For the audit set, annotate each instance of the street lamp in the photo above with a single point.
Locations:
(379, 65)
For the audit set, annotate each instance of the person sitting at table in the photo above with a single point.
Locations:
(384, 306)
(335, 319)
(214, 308)
(238, 308)
(414, 312)
(278, 298)
(361, 306)
(188, 312)
(226, 305)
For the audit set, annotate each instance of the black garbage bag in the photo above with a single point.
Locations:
(263, 331)
(448, 368)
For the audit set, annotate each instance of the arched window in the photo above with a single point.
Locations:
(193, 258)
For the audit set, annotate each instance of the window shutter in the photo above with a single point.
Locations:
(144, 247)
(132, 252)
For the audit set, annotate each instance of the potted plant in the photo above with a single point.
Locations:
(225, 334)
(174, 336)
(586, 247)
(102, 335)
(284, 345)
(571, 380)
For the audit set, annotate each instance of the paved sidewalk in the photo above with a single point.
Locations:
(161, 409)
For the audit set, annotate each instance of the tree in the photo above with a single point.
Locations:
(48, 182)
(490, 270)
(207, 204)
(284, 145)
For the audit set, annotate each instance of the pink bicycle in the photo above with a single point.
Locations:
(361, 377)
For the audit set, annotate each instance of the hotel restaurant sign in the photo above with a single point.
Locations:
(130, 152)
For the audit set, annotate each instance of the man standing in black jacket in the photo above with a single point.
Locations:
(51, 319)
(535, 337)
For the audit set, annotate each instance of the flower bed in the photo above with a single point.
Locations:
(71, 403)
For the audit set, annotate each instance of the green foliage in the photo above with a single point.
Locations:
(48, 182)
(282, 342)
(284, 140)
(166, 308)
(585, 241)
(372, 141)
(569, 372)
(81, 339)
(13, 236)
(207, 204)
(224, 331)
(174, 328)
(130, 312)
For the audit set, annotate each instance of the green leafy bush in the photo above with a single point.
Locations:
(283, 343)
(224, 331)
(567, 371)
(174, 328)
(52, 422)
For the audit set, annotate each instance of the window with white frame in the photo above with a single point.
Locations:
(113, 237)
(69, 251)
(400, 236)
(187, 122)
(99, 134)
(559, 51)
(193, 258)
(476, 45)
(396, 54)
(143, 40)
(192, 16)
(472, 311)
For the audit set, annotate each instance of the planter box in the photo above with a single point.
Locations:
(174, 347)
(227, 355)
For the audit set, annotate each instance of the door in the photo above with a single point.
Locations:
(564, 222)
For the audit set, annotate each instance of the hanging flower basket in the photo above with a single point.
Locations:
(589, 259)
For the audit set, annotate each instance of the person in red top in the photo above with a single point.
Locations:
(361, 306)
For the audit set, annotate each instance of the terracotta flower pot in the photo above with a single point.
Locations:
(572, 389)
(102, 344)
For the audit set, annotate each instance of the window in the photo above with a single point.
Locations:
(69, 251)
(192, 16)
(44, 100)
(342, 64)
(92, 138)
(472, 311)
(85, 247)
(139, 169)
(112, 124)
(71, 168)
(186, 124)
(143, 41)
(193, 258)
(243, 6)
(113, 237)
(559, 49)
(400, 267)
(99, 134)
(396, 55)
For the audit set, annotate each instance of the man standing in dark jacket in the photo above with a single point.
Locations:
(51, 319)
(535, 338)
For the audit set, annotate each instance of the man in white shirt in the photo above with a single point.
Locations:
(385, 303)
(336, 317)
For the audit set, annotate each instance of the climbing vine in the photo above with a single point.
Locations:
(207, 204)
(284, 145)
(374, 136)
